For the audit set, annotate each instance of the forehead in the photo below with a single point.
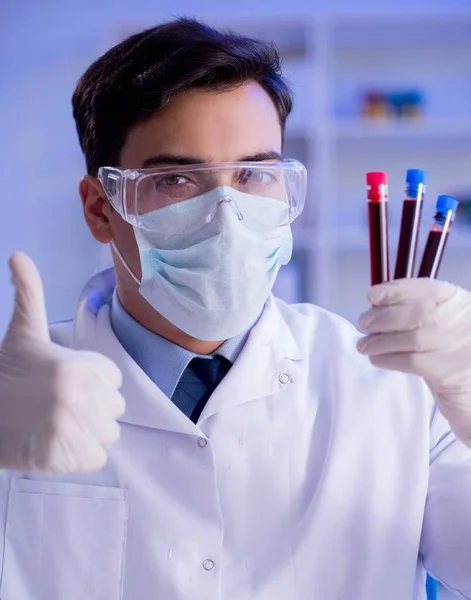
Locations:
(214, 126)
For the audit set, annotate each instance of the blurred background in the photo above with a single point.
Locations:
(382, 85)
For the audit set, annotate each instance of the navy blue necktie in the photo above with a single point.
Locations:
(207, 373)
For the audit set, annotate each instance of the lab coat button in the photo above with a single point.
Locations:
(284, 378)
(208, 565)
(202, 442)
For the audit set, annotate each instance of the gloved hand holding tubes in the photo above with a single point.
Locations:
(58, 407)
(423, 326)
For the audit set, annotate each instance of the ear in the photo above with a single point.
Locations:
(96, 208)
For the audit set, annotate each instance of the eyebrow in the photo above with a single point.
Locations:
(177, 159)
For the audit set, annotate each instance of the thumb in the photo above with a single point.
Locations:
(29, 314)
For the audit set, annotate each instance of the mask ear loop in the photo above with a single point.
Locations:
(124, 263)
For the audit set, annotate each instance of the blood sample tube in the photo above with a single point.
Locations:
(410, 224)
(438, 235)
(377, 188)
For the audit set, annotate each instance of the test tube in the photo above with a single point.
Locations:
(438, 235)
(410, 224)
(377, 189)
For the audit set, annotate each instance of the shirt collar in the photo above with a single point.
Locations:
(163, 361)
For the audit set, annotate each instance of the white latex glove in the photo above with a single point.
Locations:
(423, 326)
(58, 407)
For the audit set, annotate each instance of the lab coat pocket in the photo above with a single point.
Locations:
(64, 541)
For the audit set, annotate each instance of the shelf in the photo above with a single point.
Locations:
(356, 238)
(292, 36)
(358, 129)
(400, 16)
(415, 28)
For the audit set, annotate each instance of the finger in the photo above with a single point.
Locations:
(418, 340)
(102, 399)
(79, 451)
(29, 314)
(404, 362)
(94, 419)
(104, 367)
(408, 291)
(86, 388)
(110, 401)
(398, 317)
(114, 404)
(109, 433)
(92, 457)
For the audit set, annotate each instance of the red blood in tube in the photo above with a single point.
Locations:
(430, 257)
(407, 249)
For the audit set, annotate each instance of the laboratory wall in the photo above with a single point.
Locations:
(45, 46)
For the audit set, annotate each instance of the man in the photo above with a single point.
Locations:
(262, 455)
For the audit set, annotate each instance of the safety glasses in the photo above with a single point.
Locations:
(136, 194)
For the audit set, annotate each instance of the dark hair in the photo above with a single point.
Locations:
(140, 75)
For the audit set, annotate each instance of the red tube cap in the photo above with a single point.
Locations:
(376, 178)
(377, 186)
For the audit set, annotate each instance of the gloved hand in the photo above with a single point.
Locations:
(58, 407)
(423, 326)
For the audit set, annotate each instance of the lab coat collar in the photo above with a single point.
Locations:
(269, 351)
(266, 364)
(146, 404)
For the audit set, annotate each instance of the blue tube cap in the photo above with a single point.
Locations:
(416, 176)
(446, 203)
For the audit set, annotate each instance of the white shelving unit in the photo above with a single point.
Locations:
(330, 62)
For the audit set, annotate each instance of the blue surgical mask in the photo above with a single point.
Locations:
(212, 281)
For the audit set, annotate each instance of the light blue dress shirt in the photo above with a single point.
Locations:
(163, 361)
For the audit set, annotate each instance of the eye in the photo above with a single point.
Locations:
(255, 176)
(171, 180)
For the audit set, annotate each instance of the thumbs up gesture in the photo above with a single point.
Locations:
(58, 407)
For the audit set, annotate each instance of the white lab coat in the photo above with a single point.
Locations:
(310, 475)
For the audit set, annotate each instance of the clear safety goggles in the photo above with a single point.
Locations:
(273, 189)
